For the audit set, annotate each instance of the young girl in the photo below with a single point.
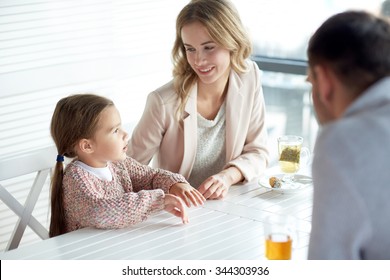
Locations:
(102, 187)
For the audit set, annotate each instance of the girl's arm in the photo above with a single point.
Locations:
(88, 204)
(144, 177)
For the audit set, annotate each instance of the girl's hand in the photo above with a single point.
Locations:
(214, 187)
(188, 194)
(175, 206)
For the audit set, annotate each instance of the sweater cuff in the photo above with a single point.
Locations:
(157, 197)
(173, 179)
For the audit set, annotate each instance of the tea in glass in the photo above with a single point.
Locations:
(289, 148)
(278, 246)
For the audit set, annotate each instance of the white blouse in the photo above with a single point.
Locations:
(211, 148)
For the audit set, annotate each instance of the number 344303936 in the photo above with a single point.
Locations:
(241, 270)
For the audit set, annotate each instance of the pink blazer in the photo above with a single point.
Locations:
(172, 143)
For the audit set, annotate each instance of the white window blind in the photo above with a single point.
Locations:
(50, 49)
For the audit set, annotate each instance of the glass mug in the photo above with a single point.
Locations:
(280, 232)
(290, 153)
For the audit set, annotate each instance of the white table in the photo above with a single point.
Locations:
(228, 229)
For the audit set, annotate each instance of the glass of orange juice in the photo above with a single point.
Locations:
(280, 233)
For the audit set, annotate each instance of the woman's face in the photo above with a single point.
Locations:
(210, 61)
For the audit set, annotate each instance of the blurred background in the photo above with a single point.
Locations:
(121, 49)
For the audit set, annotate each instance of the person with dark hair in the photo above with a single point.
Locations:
(208, 123)
(349, 69)
(102, 187)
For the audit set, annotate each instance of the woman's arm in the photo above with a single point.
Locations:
(147, 135)
(253, 158)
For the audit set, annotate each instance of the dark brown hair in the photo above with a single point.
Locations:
(75, 117)
(356, 45)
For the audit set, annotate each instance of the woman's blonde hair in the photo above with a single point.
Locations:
(224, 26)
(75, 117)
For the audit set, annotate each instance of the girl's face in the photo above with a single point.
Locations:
(110, 140)
(210, 61)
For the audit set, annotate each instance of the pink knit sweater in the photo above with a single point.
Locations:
(135, 192)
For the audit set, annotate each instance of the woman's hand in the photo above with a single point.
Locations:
(188, 194)
(175, 206)
(214, 187)
(217, 186)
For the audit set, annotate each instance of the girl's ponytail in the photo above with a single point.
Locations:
(57, 220)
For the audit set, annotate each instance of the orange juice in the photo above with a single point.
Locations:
(278, 247)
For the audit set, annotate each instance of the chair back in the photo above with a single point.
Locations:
(40, 162)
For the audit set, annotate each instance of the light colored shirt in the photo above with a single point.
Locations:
(102, 173)
(211, 149)
(351, 179)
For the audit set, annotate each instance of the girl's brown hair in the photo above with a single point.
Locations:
(223, 24)
(75, 117)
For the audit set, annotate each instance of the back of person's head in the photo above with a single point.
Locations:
(355, 45)
(75, 117)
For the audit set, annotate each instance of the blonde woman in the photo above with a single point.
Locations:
(208, 123)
